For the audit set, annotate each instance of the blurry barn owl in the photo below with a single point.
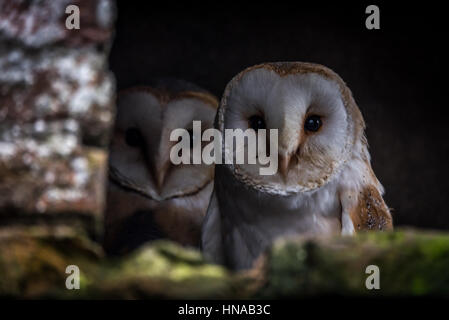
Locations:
(324, 184)
(149, 197)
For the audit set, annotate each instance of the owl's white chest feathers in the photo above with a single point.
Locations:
(251, 220)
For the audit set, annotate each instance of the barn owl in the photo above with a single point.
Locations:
(324, 184)
(148, 197)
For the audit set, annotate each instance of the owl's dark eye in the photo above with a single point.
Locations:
(256, 123)
(133, 137)
(313, 123)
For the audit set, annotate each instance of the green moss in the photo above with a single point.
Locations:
(411, 263)
(33, 262)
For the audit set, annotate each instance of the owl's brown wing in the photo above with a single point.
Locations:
(370, 211)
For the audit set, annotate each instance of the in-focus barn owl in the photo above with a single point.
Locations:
(324, 184)
(149, 197)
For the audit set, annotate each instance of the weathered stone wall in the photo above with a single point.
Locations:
(56, 111)
(411, 264)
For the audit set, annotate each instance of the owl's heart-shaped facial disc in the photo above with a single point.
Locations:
(308, 108)
(140, 149)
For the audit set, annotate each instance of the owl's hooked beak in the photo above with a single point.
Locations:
(160, 172)
(160, 177)
(284, 164)
(161, 167)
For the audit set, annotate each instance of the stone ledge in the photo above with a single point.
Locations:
(412, 263)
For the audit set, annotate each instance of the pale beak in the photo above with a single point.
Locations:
(160, 177)
(161, 166)
(156, 169)
(284, 164)
(160, 173)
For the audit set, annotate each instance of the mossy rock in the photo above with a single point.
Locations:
(410, 263)
(163, 269)
(33, 262)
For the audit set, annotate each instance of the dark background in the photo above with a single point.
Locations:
(398, 74)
